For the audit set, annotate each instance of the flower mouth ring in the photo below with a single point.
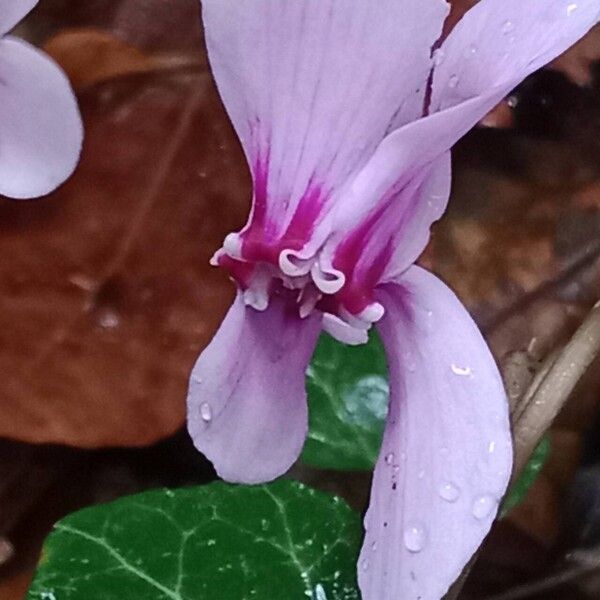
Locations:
(314, 279)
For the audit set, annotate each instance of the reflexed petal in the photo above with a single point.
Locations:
(497, 44)
(392, 237)
(40, 126)
(246, 403)
(491, 50)
(12, 11)
(312, 87)
(411, 235)
(446, 455)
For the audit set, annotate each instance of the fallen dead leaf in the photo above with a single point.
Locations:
(90, 56)
(106, 295)
(16, 587)
(576, 62)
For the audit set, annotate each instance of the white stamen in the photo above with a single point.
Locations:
(256, 298)
(372, 313)
(214, 261)
(353, 320)
(294, 264)
(233, 245)
(343, 332)
(308, 299)
(257, 295)
(329, 281)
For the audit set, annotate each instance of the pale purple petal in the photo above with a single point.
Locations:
(411, 235)
(40, 126)
(497, 44)
(312, 87)
(247, 403)
(446, 455)
(12, 11)
(393, 236)
(492, 49)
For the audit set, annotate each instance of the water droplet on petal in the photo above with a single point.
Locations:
(374, 546)
(364, 564)
(389, 459)
(415, 538)
(438, 57)
(461, 371)
(507, 27)
(571, 9)
(449, 492)
(421, 474)
(483, 507)
(206, 412)
(473, 49)
(410, 362)
(492, 447)
(453, 81)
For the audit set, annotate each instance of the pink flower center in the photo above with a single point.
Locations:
(268, 258)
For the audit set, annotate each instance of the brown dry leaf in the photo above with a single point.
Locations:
(89, 56)
(16, 587)
(516, 244)
(576, 62)
(494, 244)
(539, 515)
(106, 295)
(589, 197)
(151, 25)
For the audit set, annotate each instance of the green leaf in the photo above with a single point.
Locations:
(348, 396)
(273, 542)
(519, 490)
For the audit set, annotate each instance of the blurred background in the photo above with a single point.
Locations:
(106, 295)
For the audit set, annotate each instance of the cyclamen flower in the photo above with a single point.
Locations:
(347, 117)
(40, 126)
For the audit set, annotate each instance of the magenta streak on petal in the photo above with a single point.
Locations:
(240, 271)
(261, 242)
(357, 294)
(260, 232)
(303, 222)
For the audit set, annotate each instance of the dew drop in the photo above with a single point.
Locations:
(507, 27)
(449, 492)
(571, 9)
(414, 538)
(364, 564)
(453, 81)
(389, 459)
(374, 546)
(438, 57)
(492, 447)
(461, 371)
(421, 474)
(410, 362)
(473, 49)
(483, 507)
(108, 319)
(206, 412)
